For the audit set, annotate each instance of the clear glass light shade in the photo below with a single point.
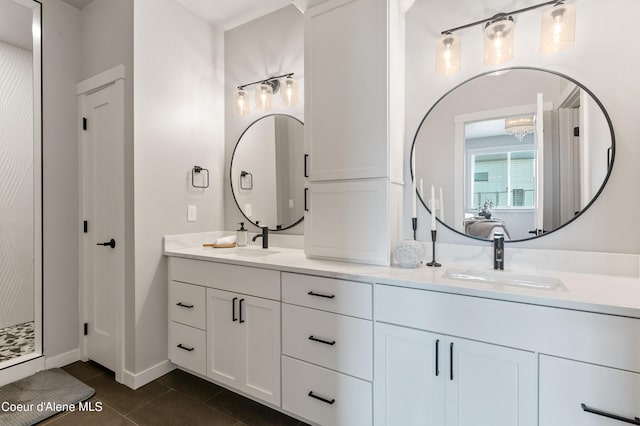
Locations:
(289, 91)
(520, 127)
(498, 41)
(448, 54)
(264, 96)
(241, 102)
(558, 28)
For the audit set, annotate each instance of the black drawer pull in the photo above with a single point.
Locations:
(437, 357)
(326, 296)
(325, 400)
(186, 348)
(184, 305)
(634, 421)
(233, 309)
(451, 361)
(306, 174)
(240, 308)
(326, 342)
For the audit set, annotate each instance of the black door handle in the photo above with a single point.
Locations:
(233, 309)
(111, 243)
(451, 361)
(437, 357)
(240, 308)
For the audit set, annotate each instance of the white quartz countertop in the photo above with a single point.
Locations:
(607, 294)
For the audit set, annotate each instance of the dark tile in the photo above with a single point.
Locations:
(174, 408)
(84, 371)
(122, 398)
(106, 416)
(248, 411)
(190, 385)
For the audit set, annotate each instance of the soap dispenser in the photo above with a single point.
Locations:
(242, 236)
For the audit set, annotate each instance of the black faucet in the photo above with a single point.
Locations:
(265, 237)
(498, 251)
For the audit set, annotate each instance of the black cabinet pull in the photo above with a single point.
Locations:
(634, 421)
(325, 400)
(451, 360)
(240, 308)
(306, 174)
(326, 296)
(186, 348)
(111, 243)
(437, 357)
(306, 207)
(326, 342)
(233, 309)
(184, 305)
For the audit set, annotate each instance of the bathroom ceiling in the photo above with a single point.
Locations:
(227, 14)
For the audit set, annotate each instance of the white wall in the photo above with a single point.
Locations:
(179, 115)
(598, 60)
(268, 46)
(61, 224)
(16, 186)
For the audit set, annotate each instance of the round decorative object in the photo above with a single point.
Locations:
(408, 253)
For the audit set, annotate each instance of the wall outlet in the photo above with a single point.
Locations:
(191, 213)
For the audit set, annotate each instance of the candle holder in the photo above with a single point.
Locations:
(414, 223)
(433, 262)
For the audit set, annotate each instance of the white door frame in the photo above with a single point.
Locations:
(115, 76)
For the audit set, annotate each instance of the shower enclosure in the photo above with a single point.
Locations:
(20, 183)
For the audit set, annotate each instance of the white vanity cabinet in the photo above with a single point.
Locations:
(225, 324)
(327, 349)
(424, 377)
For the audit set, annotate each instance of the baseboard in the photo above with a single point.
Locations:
(62, 359)
(21, 370)
(136, 380)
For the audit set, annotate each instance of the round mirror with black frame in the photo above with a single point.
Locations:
(521, 151)
(266, 173)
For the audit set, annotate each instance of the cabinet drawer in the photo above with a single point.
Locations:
(334, 341)
(187, 347)
(344, 400)
(328, 294)
(241, 279)
(187, 304)
(566, 385)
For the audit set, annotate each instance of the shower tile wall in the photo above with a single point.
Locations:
(16, 340)
(16, 186)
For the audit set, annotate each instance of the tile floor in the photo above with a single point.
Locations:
(177, 398)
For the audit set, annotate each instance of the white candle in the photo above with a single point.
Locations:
(433, 208)
(414, 210)
(441, 205)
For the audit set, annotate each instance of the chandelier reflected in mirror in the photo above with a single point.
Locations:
(520, 126)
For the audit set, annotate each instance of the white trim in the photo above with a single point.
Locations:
(116, 77)
(100, 80)
(22, 370)
(500, 113)
(62, 359)
(136, 380)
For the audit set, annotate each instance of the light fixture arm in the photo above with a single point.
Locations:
(501, 16)
(274, 82)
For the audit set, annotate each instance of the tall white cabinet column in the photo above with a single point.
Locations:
(354, 112)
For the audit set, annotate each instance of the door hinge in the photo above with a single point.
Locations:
(84, 123)
(576, 131)
(86, 328)
(85, 226)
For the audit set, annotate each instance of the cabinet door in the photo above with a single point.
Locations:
(346, 89)
(410, 375)
(489, 385)
(348, 221)
(223, 348)
(259, 323)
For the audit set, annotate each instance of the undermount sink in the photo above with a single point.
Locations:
(250, 252)
(506, 278)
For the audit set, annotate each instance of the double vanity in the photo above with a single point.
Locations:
(337, 343)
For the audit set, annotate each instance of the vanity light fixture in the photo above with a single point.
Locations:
(264, 92)
(558, 32)
(519, 126)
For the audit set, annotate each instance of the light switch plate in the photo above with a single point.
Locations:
(191, 213)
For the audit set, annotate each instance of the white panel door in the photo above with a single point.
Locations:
(489, 385)
(346, 90)
(259, 323)
(409, 377)
(223, 346)
(348, 221)
(103, 208)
